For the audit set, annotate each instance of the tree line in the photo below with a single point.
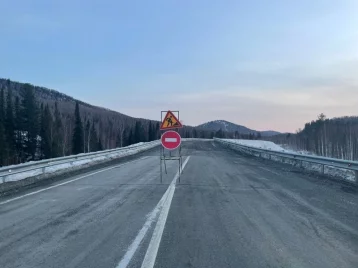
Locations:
(237, 135)
(30, 130)
(38, 125)
(337, 137)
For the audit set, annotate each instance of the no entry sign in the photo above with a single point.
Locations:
(171, 140)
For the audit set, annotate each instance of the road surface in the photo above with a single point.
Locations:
(229, 210)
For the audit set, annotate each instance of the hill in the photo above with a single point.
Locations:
(53, 114)
(231, 127)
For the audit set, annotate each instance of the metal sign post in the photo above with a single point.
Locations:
(171, 140)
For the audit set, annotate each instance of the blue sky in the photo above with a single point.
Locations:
(269, 64)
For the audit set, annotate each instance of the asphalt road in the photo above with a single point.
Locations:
(229, 210)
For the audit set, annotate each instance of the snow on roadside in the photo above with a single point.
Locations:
(268, 145)
(66, 164)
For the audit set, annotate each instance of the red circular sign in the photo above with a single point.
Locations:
(171, 140)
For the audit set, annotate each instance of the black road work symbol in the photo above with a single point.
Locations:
(170, 121)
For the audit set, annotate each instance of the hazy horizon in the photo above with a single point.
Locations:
(266, 65)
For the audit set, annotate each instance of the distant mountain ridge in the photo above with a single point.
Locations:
(231, 127)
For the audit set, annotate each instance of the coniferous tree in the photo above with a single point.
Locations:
(150, 132)
(131, 137)
(88, 136)
(138, 132)
(2, 128)
(9, 127)
(57, 137)
(17, 125)
(118, 140)
(157, 131)
(125, 138)
(46, 133)
(29, 121)
(99, 145)
(77, 139)
(93, 139)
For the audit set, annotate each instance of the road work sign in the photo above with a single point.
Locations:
(171, 140)
(170, 121)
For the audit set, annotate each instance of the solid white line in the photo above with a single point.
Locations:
(171, 139)
(152, 251)
(67, 182)
(151, 218)
(140, 236)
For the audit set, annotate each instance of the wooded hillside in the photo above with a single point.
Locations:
(40, 123)
(336, 137)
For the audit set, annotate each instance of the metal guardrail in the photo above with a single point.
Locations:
(43, 164)
(323, 161)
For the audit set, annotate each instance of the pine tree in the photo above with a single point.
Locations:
(29, 120)
(58, 134)
(138, 132)
(88, 136)
(93, 139)
(212, 134)
(195, 134)
(46, 133)
(131, 137)
(157, 131)
(118, 140)
(150, 132)
(219, 134)
(18, 126)
(77, 139)
(9, 127)
(125, 138)
(2, 128)
(99, 145)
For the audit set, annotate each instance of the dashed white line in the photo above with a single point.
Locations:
(67, 182)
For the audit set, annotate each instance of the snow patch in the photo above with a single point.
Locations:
(66, 163)
(267, 145)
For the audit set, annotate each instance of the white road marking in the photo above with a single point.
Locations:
(152, 251)
(140, 236)
(162, 204)
(171, 139)
(67, 182)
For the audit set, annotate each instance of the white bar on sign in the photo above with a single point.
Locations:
(171, 139)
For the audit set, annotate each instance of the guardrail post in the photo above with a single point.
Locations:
(356, 173)
(322, 169)
(3, 179)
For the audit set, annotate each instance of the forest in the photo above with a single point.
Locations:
(336, 137)
(37, 123)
